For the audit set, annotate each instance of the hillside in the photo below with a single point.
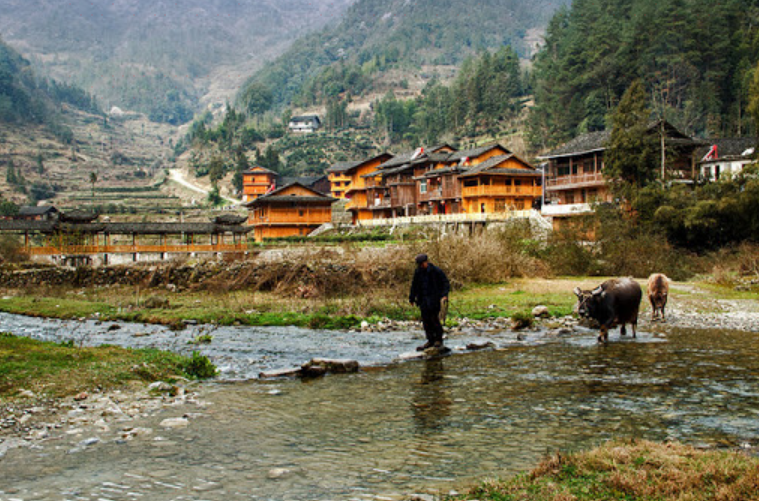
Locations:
(695, 59)
(377, 35)
(53, 139)
(154, 56)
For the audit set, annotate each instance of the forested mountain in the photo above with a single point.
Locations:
(375, 35)
(25, 98)
(158, 56)
(695, 57)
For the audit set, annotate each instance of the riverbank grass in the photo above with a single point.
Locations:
(638, 470)
(59, 370)
(265, 308)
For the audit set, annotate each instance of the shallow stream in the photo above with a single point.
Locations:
(406, 427)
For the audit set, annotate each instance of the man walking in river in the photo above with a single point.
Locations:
(429, 288)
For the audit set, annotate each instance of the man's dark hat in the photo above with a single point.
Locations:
(421, 258)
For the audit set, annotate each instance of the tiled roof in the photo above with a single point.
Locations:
(727, 147)
(36, 211)
(275, 196)
(307, 181)
(586, 143)
(491, 163)
(474, 152)
(345, 166)
(257, 169)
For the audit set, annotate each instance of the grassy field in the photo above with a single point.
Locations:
(269, 308)
(640, 471)
(58, 370)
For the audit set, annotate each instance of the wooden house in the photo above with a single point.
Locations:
(346, 176)
(576, 170)
(304, 123)
(438, 182)
(257, 181)
(396, 180)
(500, 184)
(293, 210)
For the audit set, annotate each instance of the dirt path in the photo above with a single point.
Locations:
(177, 176)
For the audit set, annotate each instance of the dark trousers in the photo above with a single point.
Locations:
(432, 327)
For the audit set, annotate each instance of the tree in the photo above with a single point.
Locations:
(8, 208)
(215, 169)
(257, 98)
(40, 164)
(241, 165)
(269, 159)
(753, 106)
(93, 180)
(631, 156)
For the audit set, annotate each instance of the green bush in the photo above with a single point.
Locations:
(199, 366)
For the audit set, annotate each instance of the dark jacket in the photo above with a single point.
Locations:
(428, 287)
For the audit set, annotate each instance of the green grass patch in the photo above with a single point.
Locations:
(630, 471)
(61, 369)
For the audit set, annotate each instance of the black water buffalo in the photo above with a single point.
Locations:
(658, 290)
(614, 302)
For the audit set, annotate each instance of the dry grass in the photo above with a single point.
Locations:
(638, 470)
(486, 257)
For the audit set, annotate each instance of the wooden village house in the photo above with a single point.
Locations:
(257, 181)
(575, 175)
(293, 210)
(441, 181)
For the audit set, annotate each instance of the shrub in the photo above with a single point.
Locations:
(199, 366)
(490, 256)
(522, 319)
(11, 249)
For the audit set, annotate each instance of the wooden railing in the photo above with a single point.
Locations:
(496, 190)
(131, 249)
(575, 179)
(453, 218)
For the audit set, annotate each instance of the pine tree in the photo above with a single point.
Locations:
(631, 157)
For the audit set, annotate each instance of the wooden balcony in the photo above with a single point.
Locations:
(575, 181)
(501, 191)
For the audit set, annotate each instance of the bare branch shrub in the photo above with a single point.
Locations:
(10, 250)
(485, 257)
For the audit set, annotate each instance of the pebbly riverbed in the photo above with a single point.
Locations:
(399, 427)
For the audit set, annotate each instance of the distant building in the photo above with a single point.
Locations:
(257, 181)
(293, 210)
(304, 123)
(39, 213)
(725, 157)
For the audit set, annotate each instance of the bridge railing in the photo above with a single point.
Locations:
(53, 250)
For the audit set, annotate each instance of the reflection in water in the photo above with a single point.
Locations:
(413, 427)
(432, 400)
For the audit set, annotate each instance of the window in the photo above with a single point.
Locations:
(423, 186)
(500, 205)
(301, 212)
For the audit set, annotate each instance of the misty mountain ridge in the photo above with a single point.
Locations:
(375, 35)
(158, 57)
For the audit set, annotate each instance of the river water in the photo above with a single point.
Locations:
(406, 426)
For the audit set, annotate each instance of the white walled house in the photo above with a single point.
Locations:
(304, 123)
(724, 158)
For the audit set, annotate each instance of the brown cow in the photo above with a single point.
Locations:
(658, 290)
(614, 302)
